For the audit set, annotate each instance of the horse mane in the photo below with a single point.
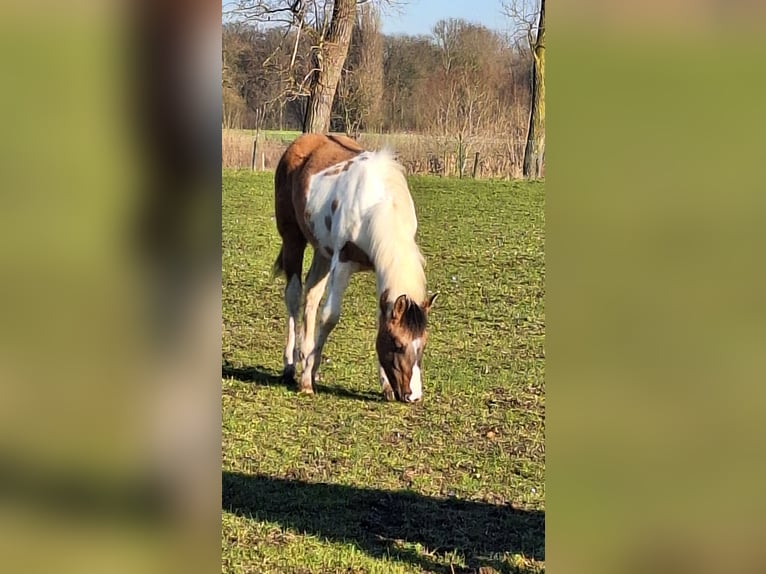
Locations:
(392, 225)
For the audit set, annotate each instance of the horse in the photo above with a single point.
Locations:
(354, 207)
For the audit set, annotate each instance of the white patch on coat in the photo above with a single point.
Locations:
(374, 194)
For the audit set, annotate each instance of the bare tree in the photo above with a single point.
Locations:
(531, 22)
(369, 66)
(408, 63)
(329, 57)
(466, 85)
(360, 91)
(329, 23)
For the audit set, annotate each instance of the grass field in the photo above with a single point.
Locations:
(344, 482)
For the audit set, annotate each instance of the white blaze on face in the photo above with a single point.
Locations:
(416, 384)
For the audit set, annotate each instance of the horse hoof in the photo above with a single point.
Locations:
(388, 395)
(306, 390)
(287, 380)
(288, 374)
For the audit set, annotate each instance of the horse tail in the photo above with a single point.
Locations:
(279, 267)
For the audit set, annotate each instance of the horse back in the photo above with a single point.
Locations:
(307, 155)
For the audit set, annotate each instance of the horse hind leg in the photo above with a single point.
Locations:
(292, 264)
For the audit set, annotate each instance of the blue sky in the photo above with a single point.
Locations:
(419, 16)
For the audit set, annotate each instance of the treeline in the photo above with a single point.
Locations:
(461, 80)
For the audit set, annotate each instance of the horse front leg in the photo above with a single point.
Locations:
(340, 275)
(385, 386)
(316, 281)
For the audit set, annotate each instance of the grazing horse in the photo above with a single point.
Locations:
(355, 209)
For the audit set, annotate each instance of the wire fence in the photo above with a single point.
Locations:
(449, 156)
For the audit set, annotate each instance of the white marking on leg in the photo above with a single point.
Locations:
(292, 302)
(290, 337)
(316, 281)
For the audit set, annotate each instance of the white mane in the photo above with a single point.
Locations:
(392, 226)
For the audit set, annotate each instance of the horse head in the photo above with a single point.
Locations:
(401, 340)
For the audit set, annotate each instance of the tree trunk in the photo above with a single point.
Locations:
(328, 61)
(534, 153)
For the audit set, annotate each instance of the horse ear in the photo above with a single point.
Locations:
(428, 303)
(400, 306)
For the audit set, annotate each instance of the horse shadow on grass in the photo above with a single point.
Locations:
(378, 521)
(265, 377)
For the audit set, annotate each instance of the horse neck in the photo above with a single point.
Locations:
(392, 225)
(398, 262)
(402, 279)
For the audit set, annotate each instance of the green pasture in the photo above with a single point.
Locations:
(344, 482)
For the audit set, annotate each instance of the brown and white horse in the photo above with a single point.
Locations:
(355, 209)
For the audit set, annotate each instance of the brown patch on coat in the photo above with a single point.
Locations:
(328, 222)
(346, 142)
(334, 206)
(335, 171)
(347, 166)
(362, 158)
(352, 252)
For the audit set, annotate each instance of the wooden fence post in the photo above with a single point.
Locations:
(258, 120)
(475, 164)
